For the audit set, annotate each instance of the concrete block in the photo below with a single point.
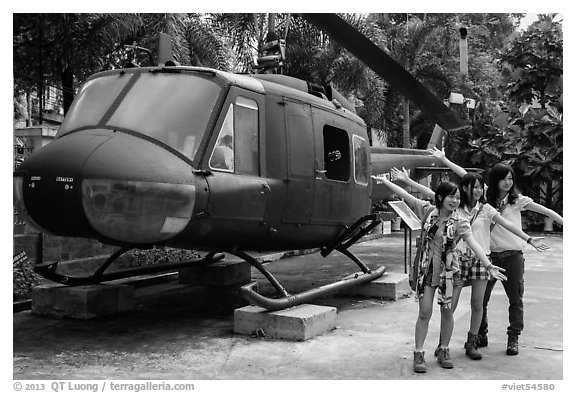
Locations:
(82, 302)
(218, 273)
(296, 323)
(391, 286)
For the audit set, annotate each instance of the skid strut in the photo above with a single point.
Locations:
(349, 237)
(48, 269)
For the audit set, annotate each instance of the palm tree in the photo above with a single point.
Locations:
(243, 33)
(68, 48)
(405, 41)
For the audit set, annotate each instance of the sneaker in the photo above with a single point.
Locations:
(444, 358)
(419, 363)
(437, 350)
(482, 340)
(512, 346)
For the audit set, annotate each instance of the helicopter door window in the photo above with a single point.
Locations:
(246, 132)
(336, 154)
(360, 159)
(222, 157)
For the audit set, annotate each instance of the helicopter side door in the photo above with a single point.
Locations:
(237, 190)
(300, 163)
(341, 182)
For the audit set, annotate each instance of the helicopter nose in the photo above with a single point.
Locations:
(120, 189)
(47, 185)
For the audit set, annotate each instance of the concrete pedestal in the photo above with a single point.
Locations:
(82, 302)
(296, 323)
(218, 273)
(391, 286)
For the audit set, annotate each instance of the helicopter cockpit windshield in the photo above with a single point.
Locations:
(172, 108)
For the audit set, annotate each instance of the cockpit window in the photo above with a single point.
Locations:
(236, 148)
(223, 155)
(169, 107)
(93, 101)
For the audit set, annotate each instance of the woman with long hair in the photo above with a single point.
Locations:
(438, 264)
(506, 250)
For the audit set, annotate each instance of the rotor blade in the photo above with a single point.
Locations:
(388, 69)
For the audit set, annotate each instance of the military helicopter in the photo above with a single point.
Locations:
(202, 159)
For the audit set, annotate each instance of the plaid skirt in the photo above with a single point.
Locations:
(473, 269)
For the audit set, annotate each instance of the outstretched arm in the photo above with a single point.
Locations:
(495, 271)
(441, 156)
(403, 176)
(402, 193)
(536, 242)
(535, 207)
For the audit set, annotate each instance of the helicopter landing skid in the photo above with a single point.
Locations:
(287, 300)
(48, 270)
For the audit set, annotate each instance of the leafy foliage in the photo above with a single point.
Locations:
(24, 279)
(526, 131)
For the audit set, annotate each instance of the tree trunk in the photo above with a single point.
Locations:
(406, 128)
(271, 27)
(67, 88)
(28, 109)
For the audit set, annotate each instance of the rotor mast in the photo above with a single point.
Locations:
(271, 53)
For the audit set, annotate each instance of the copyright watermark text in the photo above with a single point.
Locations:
(102, 386)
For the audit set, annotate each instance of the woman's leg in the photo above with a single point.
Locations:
(446, 325)
(514, 287)
(446, 328)
(456, 297)
(424, 315)
(476, 302)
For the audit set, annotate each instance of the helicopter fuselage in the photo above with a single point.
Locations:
(201, 159)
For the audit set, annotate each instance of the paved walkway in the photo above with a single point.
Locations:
(189, 335)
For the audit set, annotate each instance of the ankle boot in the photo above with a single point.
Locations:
(482, 340)
(512, 346)
(419, 363)
(444, 358)
(472, 347)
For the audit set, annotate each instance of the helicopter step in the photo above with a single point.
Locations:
(298, 323)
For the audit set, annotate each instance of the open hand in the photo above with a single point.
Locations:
(496, 272)
(399, 174)
(438, 154)
(538, 244)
